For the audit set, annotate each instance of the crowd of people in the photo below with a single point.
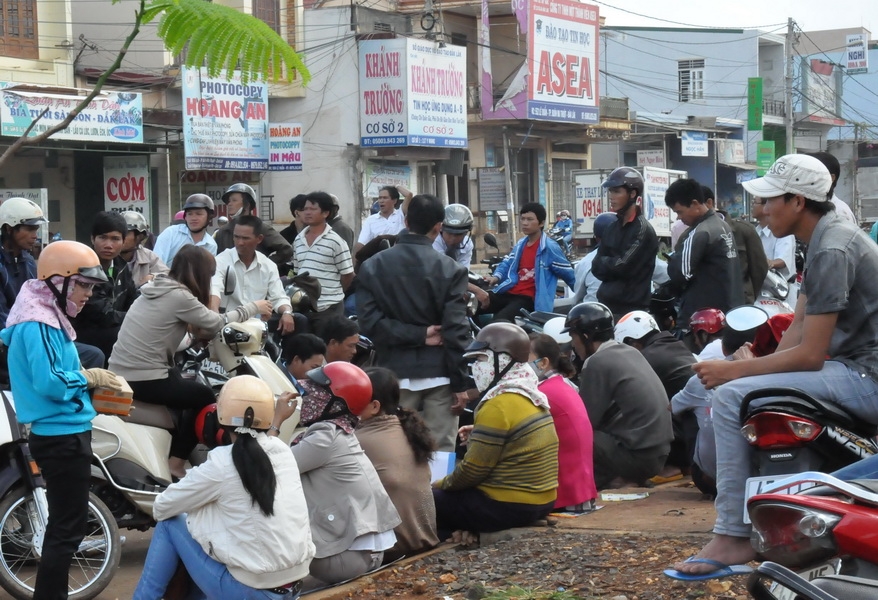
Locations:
(615, 397)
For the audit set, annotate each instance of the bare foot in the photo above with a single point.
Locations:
(465, 538)
(722, 548)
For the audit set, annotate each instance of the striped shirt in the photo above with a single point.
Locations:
(327, 259)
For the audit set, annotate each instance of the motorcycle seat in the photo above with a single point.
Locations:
(151, 415)
(847, 587)
(541, 317)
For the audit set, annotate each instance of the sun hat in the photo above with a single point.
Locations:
(794, 173)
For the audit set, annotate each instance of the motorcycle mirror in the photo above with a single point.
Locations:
(745, 318)
(222, 221)
(491, 241)
(229, 281)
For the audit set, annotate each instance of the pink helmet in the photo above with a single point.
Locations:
(711, 320)
(181, 215)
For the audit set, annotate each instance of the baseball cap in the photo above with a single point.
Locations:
(794, 173)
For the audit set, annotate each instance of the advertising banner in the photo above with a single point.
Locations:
(563, 58)
(225, 122)
(285, 147)
(412, 93)
(126, 183)
(589, 199)
(656, 183)
(111, 117)
(492, 189)
(754, 103)
(379, 176)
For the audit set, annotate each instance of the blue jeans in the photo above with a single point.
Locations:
(862, 469)
(835, 382)
(171, 542)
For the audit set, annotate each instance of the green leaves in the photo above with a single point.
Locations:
(221, 38)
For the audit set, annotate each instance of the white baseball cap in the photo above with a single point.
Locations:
(796, 174)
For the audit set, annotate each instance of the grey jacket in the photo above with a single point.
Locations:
(344, 494)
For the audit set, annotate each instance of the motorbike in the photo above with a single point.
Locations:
(772, 581)
(773, 295)
(24, 514)
(494, 260)
(558, 234)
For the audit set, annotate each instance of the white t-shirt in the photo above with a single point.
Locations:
(378, 224)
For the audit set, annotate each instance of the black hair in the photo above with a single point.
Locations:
(106, 222)
(385, 389)
(256, 472)
(683, 192)
(545, 346)
(303, 346)
(424, 212)
(733, 339)
(537, 209)
(391, 189)
(832, 165)
(321, 199)
(297, 202)
(251, 221)
(707, 194)
(193, 267)
(819, 207)
(338, 328)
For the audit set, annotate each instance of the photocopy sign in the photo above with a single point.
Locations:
(412, 93)
(856, 55)
(285, 147)
(694, 143)
(126, 183)
(225, 122)
(563, 59)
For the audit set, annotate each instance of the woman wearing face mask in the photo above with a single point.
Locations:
(509, 475)
(576, 488)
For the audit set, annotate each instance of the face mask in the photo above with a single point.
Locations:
(534, 365)
(483, 374)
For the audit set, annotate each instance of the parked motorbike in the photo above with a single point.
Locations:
(773, 295)
(496, 259)
(23, 517)
(772, 581)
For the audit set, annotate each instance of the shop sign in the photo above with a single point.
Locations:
(379, 176)
(285, 147)
(126, 183)
(694, 143)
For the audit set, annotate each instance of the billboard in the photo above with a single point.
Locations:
(412, 93)
(225, 122)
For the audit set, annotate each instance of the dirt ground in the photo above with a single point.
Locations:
(617, 552)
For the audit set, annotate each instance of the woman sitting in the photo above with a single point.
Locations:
(352, 517)
(509, 475)
(576, 489)
(153, 329)
(400, 446)
(239, 521)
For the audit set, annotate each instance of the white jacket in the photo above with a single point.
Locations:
(261, 552)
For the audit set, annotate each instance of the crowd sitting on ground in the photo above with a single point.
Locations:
(355, 488)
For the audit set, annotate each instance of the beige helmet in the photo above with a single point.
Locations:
(245, 401)
(67, 258)
(20, 211)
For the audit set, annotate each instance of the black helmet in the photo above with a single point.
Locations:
(601, 222)
(589, 318)
(502, 338)
(243, 189)
(200, 201)
(625, 177)
(458, 219)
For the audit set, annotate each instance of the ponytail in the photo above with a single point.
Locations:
(256, 472)
(418, 435)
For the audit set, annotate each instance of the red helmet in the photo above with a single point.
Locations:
(208, 428)
(711, 320)
(346, 381)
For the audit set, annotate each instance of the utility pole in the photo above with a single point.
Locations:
(788, 87)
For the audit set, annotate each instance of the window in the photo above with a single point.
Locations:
(18, 29)
(691, 79)
(268, 11)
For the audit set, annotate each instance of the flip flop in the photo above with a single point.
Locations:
(658, 479)
(722, 570)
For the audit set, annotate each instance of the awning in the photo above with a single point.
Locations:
(742, 166)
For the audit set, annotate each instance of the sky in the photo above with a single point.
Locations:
(810, 15)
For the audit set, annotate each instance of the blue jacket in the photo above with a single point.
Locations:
(550, 264)
(13, 273)
(49, 390)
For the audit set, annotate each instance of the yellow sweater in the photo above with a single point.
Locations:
(512, 454)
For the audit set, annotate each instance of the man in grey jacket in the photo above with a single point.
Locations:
(410, 303)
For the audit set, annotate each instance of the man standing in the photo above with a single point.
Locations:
(410, 303)
(240, 200)
(256, 277)
(297, 205)
(319, 251)
(143, 263)
(198, 212)
(454, 238)
(389, 220)
(528, 276)
(841, 207)
(705, 272)
(626, 256)
(780, 253)
(830, 351)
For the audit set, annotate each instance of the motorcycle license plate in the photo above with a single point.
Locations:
(213, 366)
(830, 568)
(762, 485)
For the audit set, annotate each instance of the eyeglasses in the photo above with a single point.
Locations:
(84, 285)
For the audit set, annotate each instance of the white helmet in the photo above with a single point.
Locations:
(553, 328)
(635, 325)
(135, 221)
(20, 211)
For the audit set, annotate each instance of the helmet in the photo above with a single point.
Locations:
(711, 320)
(458, 219)
(135, 221)
(199, 201)
(589, 318)
(208, 429)
(502, 337)
(347, 382)
(245, 401)
(180, 215)
(564, 213)
(635, 325)
(601, 222)
(554, 327)
(625, 177)
(243, 189)
(20, 211)
(67, 258)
